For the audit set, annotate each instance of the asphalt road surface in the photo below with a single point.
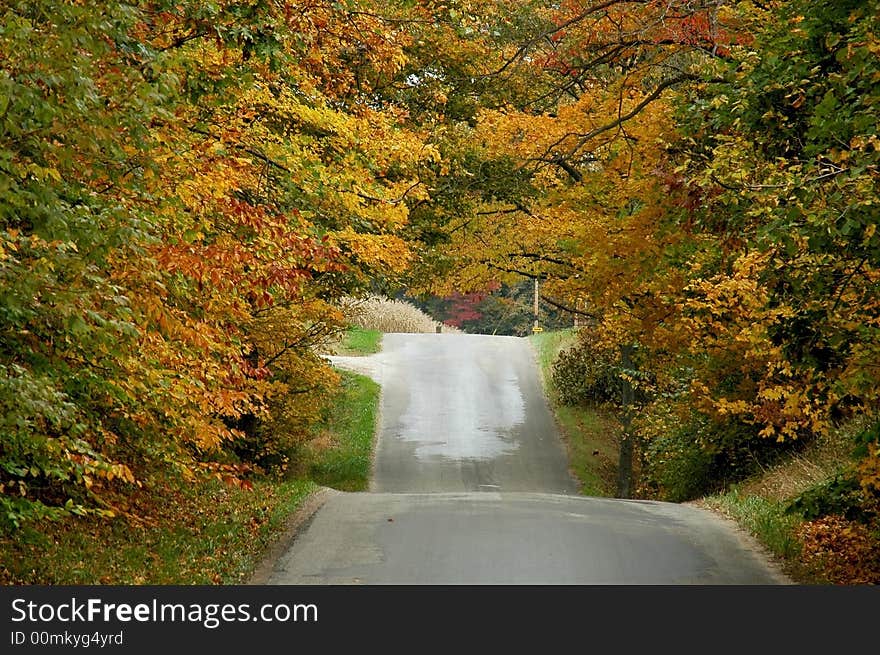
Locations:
(471, 486)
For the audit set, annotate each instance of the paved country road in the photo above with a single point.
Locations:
(471, 486)
(465, 413)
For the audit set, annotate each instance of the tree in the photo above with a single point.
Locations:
(187, 191)
(733, 245)
(784, 158)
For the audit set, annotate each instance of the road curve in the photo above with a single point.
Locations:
(471, 486)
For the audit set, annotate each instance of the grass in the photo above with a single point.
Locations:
(341, 454)
(212, 533)
(547, 346)
(203, 533)
(767, 521)
(589, 433)
(759, 504)
(764, 518)
(360, 341)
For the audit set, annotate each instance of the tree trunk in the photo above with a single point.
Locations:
(625, 462)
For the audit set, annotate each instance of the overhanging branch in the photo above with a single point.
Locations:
(567, 308)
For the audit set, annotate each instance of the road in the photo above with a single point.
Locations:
(471, 486)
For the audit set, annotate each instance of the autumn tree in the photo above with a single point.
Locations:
(580, 148)
(694, 182)
(187, 191)
(783, 157)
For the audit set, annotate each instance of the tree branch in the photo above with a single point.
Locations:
(560, 160)
(539, 257)
(622, 118)
(548, 33)
(256, 153)
(567, 308)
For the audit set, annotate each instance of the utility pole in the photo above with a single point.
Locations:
(537, 328)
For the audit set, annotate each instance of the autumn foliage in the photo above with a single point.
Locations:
(189, 190)
(700, 180)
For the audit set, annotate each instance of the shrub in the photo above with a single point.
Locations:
(295, 382)
(677, 467)
(700, 455)
(586, 373)
(840, 495)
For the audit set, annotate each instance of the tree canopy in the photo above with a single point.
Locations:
(188, 190)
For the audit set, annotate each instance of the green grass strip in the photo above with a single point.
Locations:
(346, 463)
(358, 341)
(586, 430)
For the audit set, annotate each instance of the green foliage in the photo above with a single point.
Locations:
(301, 398)
(180, 212)
(66, 327)
(186, 193)
(585, 374)
(678, 468)
(841, 495)
(781, 158)
(867, 439)
(506, 309)
(548, 344)
(591, 372)
(702, 455)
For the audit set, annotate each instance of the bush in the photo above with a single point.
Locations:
(300, 398)
(585, 374)
(702, 456)
(677, 467)
(296, 384)
(841, 495)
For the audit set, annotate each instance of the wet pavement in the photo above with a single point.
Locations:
(471, 486)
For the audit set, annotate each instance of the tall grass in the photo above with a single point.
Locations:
(764, 518)
(386, 315)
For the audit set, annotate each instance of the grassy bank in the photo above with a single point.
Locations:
(360, 341)
(203, 532)
(340, 455)
(827, 549)
(589, 433)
